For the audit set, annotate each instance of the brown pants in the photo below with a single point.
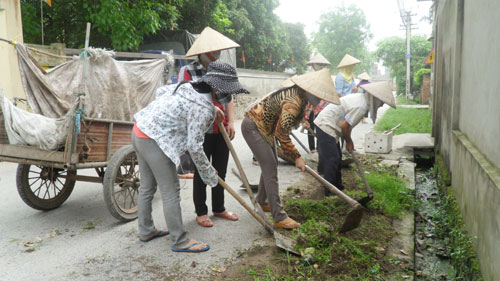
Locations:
(268, 185)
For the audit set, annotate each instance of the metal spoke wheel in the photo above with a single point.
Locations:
(44, 188)
(121, 184)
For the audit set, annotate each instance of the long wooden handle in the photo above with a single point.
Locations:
(353, 203)
(301, 144)
(362, 174)
(245, 205)
(243, 175)
(311, 132)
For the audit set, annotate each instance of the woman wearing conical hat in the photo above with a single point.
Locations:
(317, 62)
(344, 82)
(274, 116)
(208, 47)
(338, 120)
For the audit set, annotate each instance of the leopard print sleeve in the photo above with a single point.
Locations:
(290, 111)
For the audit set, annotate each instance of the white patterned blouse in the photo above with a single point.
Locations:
(178, 123)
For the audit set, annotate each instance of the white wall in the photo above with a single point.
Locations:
(10, 29)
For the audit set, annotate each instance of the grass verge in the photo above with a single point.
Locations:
(412, 121)
(360, 254)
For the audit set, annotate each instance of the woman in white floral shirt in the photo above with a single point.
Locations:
(176, 122)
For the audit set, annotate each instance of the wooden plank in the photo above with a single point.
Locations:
(32, 153)
(32, 162)
(110, 138)
(102, 143)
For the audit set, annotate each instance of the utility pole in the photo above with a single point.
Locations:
(408, 55)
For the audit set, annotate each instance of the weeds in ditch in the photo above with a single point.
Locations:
(450, 228)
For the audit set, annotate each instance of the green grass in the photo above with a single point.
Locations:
(412, 121)
(391, 193)
(401, 99)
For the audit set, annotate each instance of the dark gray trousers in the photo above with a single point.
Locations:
(268, 185)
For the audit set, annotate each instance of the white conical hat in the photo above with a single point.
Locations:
(319, 84)
(287, 83)
(364, 76)
(381, 90)
(210, 41)
(348, 60)
(318, 59)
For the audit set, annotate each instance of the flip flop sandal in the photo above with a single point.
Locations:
(205, 223)
(227, 215)
(159, 233)
(287, 223)
(189, 250)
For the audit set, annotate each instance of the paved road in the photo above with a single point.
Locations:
(111, 251)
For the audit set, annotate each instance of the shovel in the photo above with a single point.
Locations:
(283, 242)
(353, 218)
(363, 201)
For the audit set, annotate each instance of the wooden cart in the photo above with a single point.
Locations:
(45, 178)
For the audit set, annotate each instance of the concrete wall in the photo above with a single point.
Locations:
(466, 116)
(259, 83)
(11, 29)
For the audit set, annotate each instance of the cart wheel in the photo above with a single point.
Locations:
(44, 188)
(121, 184)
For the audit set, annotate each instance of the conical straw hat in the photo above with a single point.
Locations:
(348, 60)
(318, 59)
(364, 76)
(381, 90)
(319, 84)
(287, 83)
(210, 41)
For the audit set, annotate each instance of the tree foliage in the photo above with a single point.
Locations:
(298, 42)
(344, 31)
(197, 14)
(268, 43)
(392, 51)
(117, 24)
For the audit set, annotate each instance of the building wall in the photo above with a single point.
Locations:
(11, 29)
(466, 116)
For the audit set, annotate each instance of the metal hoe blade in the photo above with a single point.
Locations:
(353, 220)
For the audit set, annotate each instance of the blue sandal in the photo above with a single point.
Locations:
(188, 249)
(159, 233)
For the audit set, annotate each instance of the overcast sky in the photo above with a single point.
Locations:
(382, 15)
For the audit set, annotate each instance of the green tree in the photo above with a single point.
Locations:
(392, 51)
(298, 42)
(197, 14)
(344, 31)
(117, 24)
(260, 33)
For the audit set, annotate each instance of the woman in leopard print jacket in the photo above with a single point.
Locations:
(276, 115)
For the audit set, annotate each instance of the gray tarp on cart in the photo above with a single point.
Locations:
(113, 89)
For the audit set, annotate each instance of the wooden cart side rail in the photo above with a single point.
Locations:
(33, 162)
(34, 154)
